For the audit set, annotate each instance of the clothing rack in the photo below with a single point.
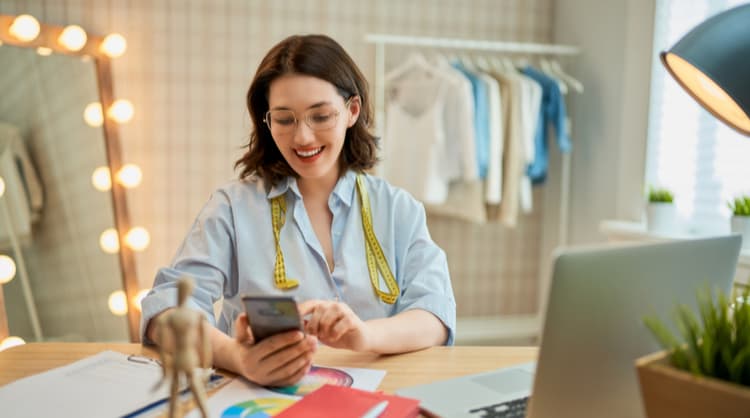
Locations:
(380, 42)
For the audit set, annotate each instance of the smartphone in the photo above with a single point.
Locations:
(269, 315)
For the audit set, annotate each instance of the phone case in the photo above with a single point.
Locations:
(269, 315)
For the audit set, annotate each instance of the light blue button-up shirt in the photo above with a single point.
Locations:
(230, 250)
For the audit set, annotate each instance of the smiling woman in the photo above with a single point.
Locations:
(50, 75)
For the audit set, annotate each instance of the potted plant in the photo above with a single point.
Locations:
(661, 213)
(707, 373)
(741, 219)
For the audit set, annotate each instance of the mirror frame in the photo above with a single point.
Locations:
(48, 35)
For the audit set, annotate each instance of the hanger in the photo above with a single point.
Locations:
(415, 61)
(576, 85)
(546, 68)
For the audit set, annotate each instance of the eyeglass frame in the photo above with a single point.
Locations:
(267, 121)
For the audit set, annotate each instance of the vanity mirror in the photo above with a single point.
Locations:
(55, 210)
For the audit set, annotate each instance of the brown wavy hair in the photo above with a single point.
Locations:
(317, 56)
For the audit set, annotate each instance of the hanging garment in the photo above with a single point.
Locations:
(531, 101)
(414, 144)
(24, 196)
(552, 115)
(493, 182)
(481, 116)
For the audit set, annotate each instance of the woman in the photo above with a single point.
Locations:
(304, 220)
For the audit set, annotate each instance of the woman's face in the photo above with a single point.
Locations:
(313, 143)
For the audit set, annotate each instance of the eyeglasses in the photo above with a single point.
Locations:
(321, 118)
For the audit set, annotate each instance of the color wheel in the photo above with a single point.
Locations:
(257, 408)
(315, 378)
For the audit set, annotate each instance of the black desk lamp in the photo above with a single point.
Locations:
(712, 62)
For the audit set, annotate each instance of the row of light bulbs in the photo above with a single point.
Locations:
(26, 28)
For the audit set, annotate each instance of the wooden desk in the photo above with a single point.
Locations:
(402, 370)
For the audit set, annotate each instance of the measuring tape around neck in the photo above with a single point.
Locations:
(376, 261)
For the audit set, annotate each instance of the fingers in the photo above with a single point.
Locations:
(286, 365)
(242, 332)
(279, 342)
(307, 306)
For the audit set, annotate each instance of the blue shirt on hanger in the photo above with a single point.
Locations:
(481, 118)
(230, 250)
(552, 112)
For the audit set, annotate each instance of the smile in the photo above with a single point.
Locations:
(309, 153)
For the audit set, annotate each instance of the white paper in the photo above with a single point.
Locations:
(103, 385)
(242, 398)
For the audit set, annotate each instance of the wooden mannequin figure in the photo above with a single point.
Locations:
(183, 329)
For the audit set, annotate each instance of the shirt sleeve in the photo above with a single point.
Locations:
(425, 279)
(206, 255)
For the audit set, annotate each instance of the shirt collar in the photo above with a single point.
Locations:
(344, 189)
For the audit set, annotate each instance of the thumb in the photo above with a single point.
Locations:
(242, 332)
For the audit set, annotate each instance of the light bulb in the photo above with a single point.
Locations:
(93, 114)
(139, 298)
(121, 111)
(11, 342)
(130, 175)
(138, 238)
(25, 28)
(101, 179)
(7, 269)
(44, 51)
(118, 303)
(113, 45)
(109, 241)
(2, 187)
(73, 37)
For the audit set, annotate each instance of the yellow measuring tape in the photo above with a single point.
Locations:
(373, 252)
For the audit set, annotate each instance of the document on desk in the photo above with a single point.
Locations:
(107, 384)
(241, 398)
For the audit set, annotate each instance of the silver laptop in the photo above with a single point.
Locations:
(593, 332)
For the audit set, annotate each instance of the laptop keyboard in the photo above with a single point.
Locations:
(515, 408)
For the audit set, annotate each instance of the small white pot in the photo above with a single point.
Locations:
(741, 225)
(661, 217)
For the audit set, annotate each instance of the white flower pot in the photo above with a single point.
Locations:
(741, 225)
(661, 218)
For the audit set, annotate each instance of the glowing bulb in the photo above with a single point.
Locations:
(44, 51)
(138, 238)
(73, 37)
(113, 45)
(25, 28)
(7, 269)
(130, 175)
(101, 179)
(121, 111)
(11, 342)
(2, 187)
(118, 303)
(139, 297)
(109, 241)
(93, 114)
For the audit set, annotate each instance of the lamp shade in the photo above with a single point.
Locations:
(712, 62)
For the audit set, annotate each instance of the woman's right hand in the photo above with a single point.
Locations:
(280, 360)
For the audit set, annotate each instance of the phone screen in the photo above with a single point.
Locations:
(269, 315)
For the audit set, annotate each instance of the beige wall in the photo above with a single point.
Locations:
(187, 69)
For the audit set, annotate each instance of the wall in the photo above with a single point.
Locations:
(187, 69)
(609, 121)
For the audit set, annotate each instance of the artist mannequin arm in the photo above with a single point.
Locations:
(338, 326)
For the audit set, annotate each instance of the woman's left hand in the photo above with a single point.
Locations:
(335, 325)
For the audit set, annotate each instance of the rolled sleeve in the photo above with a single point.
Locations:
(206, 256)
(426, 279)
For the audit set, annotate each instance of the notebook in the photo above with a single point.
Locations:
(330, 401)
